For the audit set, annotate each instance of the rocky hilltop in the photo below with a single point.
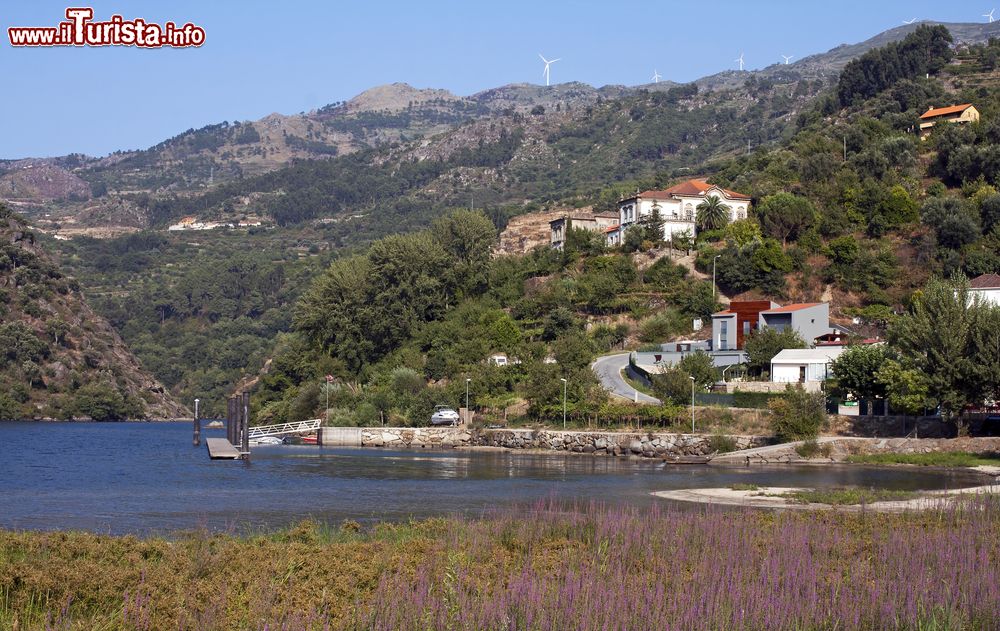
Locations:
(58, 359)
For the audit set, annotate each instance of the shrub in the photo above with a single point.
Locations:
(798, 415)
(811, 448)
(722, 444)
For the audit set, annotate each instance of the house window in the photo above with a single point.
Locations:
(746, 329)
(689, 212)
(723, 335)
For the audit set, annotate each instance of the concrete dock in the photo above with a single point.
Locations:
(221, 449)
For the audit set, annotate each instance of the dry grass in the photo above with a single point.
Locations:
(544, 567)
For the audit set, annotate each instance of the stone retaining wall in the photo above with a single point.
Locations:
(601, 443)
(611, 443)
(837, 449)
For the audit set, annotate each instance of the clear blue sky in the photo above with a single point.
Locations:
(291, 56)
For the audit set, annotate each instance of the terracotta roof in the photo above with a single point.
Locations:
(944, 111)
(986, 281)
(795, 307)
(611, 228)
(724, 313)
(691, 188)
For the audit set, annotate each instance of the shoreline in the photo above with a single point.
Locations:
(773, 498)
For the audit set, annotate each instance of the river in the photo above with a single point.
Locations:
(147, 478)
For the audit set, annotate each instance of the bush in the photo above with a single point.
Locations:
(103, 402)
(10, 409)
(799, 415)
(674, 385)
(811, 449)
(721, 444)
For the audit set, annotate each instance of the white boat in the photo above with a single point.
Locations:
(267, 440)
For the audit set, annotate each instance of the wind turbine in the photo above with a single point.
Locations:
(547, 64)
(911, 21)
(787, 58)
(989, 16)
(656, 76)
(740, 61)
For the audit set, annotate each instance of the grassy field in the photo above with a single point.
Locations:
(936, 459)
(545, 567)
(849, 496)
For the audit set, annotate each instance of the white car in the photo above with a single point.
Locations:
(444, 415)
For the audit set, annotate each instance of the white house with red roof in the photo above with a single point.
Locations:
(986, 288)
(678, 206)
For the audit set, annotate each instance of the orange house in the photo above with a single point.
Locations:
(965, 113)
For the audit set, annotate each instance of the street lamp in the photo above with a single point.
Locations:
(467, 380)
(564, 402)
(326, 419)
(692, 403)
(714, 290)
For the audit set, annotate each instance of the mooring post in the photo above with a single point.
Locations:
(231, 420)
(245, 439)
(197, 425)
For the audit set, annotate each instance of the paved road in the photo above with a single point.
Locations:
(609, 371)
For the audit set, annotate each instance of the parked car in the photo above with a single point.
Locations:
(444, 415)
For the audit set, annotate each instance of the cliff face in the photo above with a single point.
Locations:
(58, 359)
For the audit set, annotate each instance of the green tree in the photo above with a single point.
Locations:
(907, 390)
(713, 213)
(672, 386)
(101, 402)
(699, 365)
(785, 216)
(934, 337)
(763, 344)
(857, 367)
(743, 232)
(652, 226)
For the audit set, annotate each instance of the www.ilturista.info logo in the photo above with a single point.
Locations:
(79, 29)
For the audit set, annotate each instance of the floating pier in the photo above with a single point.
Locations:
(221, 449)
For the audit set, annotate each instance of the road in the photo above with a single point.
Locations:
(609, 371)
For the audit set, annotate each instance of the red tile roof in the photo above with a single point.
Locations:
(611, 228)
(691, 188)
(795, 307)
(724, 313)
(944, 111)
(986, 281)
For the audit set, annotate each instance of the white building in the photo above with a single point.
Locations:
(986, 288)
(678, 206)
(804, 365)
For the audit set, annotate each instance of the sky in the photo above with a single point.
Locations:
(293, 56)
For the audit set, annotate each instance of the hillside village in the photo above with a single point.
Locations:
(854, 199)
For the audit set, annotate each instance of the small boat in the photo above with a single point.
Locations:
(309, 440)
(267, 440)
(686, 459)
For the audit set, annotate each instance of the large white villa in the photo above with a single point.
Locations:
(678, 208)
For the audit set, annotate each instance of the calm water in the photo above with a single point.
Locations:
(147, 478)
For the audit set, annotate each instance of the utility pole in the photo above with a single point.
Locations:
(714, 290)
(564, 402)
(692, 403)
(467, 380)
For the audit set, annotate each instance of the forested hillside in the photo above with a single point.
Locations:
(58, 359)
(853, 207)
(850, 206)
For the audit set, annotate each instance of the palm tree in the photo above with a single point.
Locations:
(712, 214)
